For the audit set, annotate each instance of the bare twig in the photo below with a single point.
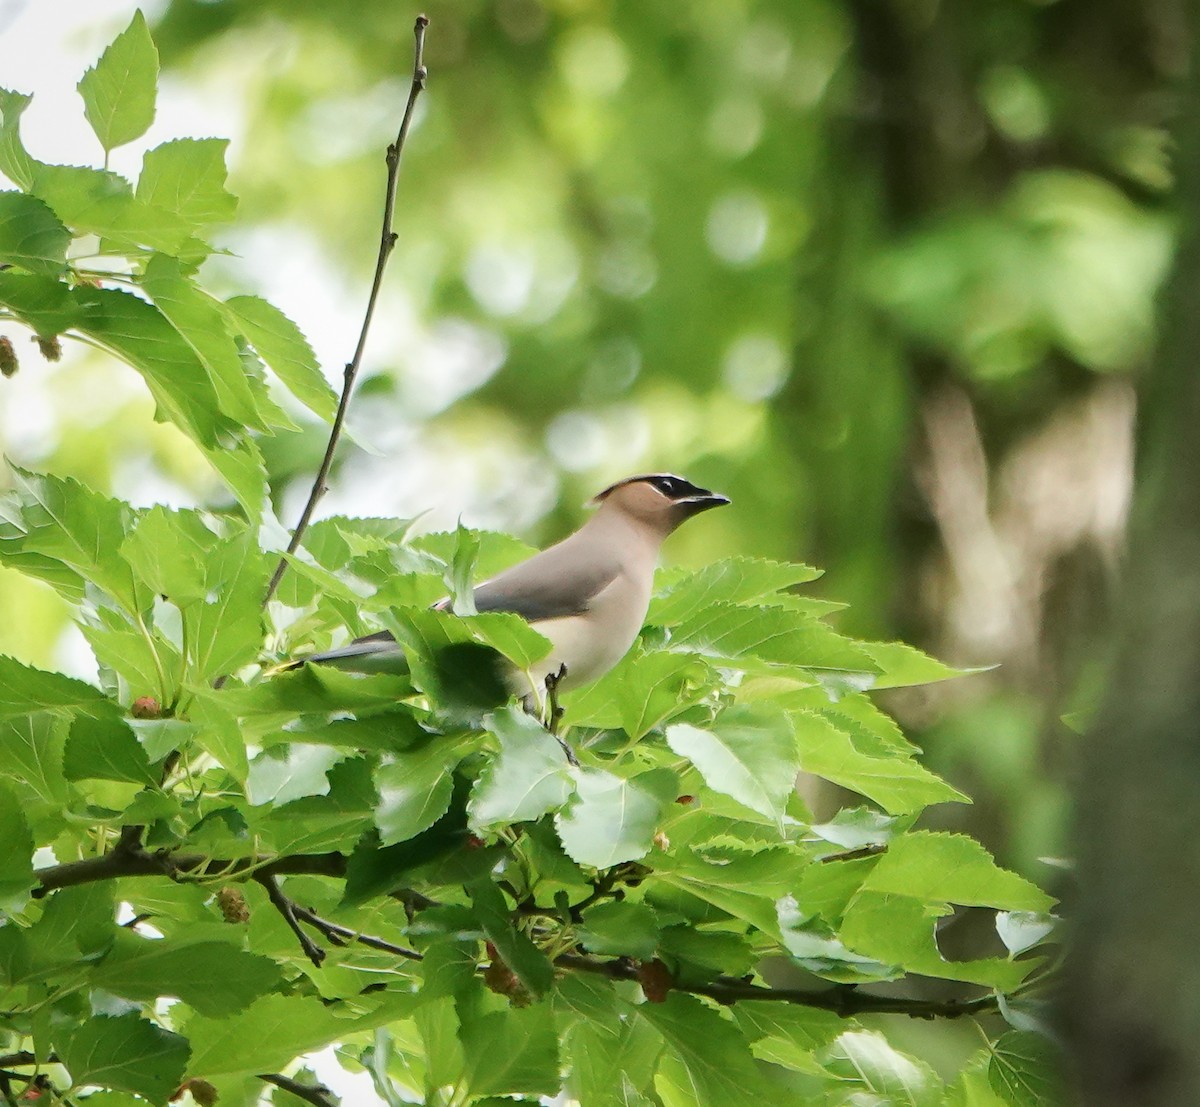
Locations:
(554, 713)
(284, 905)
(387, 242)
(316, 1094)
(342, 934)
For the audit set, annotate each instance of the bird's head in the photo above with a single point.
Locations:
(659, 500)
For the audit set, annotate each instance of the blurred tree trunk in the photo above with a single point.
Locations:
(1131, 1007)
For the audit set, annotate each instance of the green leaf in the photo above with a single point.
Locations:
(620, 928)
(740, 580)
(528, 777)
(15, 162)
(31, 235)
(901, 665)
(1023, 1071)
(952, 868)
(788, 1035)
(16, 850)
(167, 550)
(512, 1051)
(200, 322)
(866, 1058)
(275, 1029)
(31, 752)
(740, 636)
(749, 754)
(24, 689)
(414, 789)
(105, 749)
(282, 345)
(137, 332)
(707, 1059)
(96, 201)
(898, 784)
(515, 948)
(118, 91)
(610, 819)
(240, 464)
(228, 626)
(42, 303)
(186, 176)
(284, 773)
(127, 1053)
(642, 692)
(215, 978)
(901, 930)
(57, 518)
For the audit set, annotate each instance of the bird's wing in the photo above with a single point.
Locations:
(554, 584)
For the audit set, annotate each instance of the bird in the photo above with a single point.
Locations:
(588, 594)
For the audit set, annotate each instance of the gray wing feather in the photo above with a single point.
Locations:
(555, 584)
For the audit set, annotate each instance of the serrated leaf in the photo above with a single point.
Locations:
(516, 949)
(771, 635)
(167, 550)
(788, 1035)
(200, 322)
(951, 868)
(119, 90)
(707, 1060)
(902, 665)
(285, 773)
(65, 521)
(99, 202)
(16, 850)
(215, 978)
(41, 303)
(528, 777)
(414, 789)
(15, 162)
(282, 345)
(1023, 1071)
(642, 692)
(24, 689)
(749, 754)
(187, 176)
(867, 1059)
(227, 627)
(901, 930)
(137, 332)
(127, 1052)
(31, 752)
(734, 580)
(610, 819)
(620, 928)
(105, 749)
(31, 235)
(898, 784)
(512, 1051)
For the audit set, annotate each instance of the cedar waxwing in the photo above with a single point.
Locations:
(588, 594)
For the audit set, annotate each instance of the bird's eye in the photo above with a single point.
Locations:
(668, 486)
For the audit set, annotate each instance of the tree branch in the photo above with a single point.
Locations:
(841, 1000)
(387, 242)
(316, 1094)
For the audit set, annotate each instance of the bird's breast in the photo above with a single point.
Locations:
(592, 643)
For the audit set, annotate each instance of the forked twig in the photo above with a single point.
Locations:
(387, 242)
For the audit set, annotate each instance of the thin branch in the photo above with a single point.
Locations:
(341, 934)
(387, 243)
(841, 1000)
(284, 905)
(316, 1094)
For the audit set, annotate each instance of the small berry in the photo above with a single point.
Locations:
(146, 707)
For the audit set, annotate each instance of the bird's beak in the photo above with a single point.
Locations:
(702, 502)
